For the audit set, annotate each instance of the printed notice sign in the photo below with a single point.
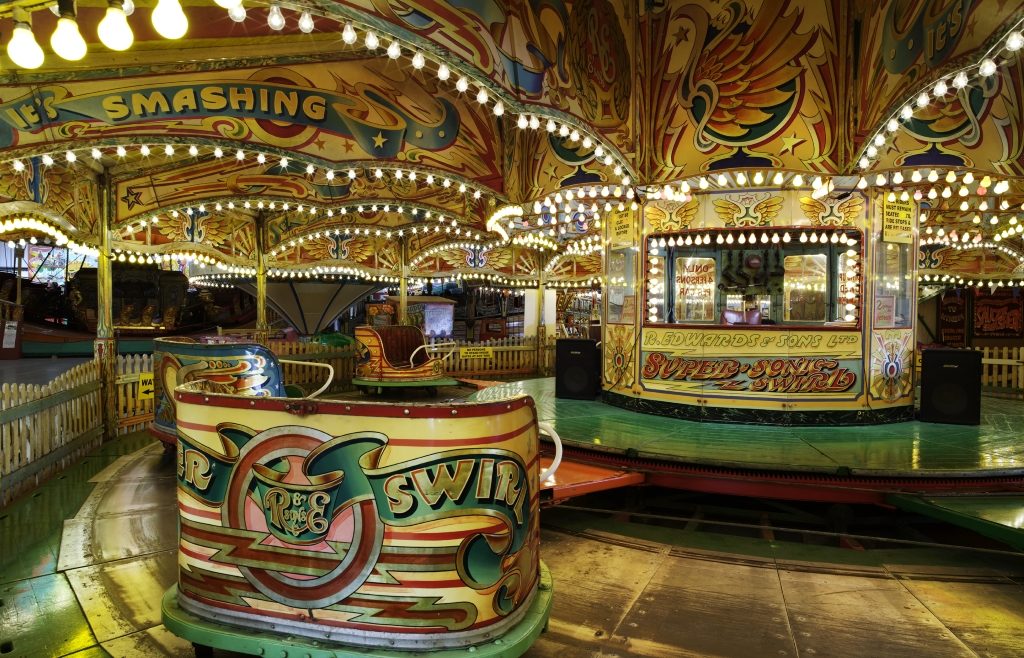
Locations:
(621, 228)
(898, 221)
(10, 334)
(476, 352)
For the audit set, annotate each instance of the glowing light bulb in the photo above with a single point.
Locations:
(987, 68)
(169, 19)
(443, 72)
(394, 50)
(418, 61)
(306, 22)
(960, 80)
(23, 49)
(67, 41)
(371, 41)
(348, 34)
(228, 4)
(237, 13)
(462, 84)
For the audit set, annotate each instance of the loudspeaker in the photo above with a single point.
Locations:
(577, 369)
(951, 387)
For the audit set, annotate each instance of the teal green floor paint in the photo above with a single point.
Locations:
(998, 517)
(896, 450)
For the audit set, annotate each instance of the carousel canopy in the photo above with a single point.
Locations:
(490, 141)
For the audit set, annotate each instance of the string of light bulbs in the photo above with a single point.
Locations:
(985, 66)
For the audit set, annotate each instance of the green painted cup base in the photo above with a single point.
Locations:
(206, 633)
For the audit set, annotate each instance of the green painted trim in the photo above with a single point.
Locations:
(932, 507)
(514, 642)
(35, 406)
(415, 383)
(727, 414)
(13, 481)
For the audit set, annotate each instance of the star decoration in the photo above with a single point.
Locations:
(348, 146)
(132, 197)
(790, 143)
(319, 144)
(682, 34)
(378, 141)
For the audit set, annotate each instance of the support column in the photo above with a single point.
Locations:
(19, 255)
(543, 368)
(106, 342)
(262, 328)
(403, 282)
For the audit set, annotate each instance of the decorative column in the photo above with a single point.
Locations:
(543, 368)
(106, 343)
(403, 282)
(19, 255)
(262, 328)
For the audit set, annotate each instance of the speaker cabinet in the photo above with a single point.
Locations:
(951, 387)
(577, 369)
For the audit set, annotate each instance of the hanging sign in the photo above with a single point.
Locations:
(898, 221)
(145, 386)
(998, 314)
(953, 319)
(476, 352)
(621, 228)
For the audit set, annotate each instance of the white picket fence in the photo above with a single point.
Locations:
(503, 357)
(45, 427)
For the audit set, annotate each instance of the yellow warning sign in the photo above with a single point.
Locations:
(476, 352)
(145, 386)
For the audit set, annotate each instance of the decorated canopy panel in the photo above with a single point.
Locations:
(744, 84)
(574, 56)
(978, 127)
(356, 110)
(909, 44)
(210, 180)
(371, 252)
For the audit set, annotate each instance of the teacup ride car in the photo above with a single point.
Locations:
(400, 356)
(241, 367)
(358, 528)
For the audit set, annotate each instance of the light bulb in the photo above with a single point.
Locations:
(987, 68)
(169, 20)
(23, 49)
(128, 6)
(443, 72)
(306, 22)
(371, 41)
(237, 13)
(348, 34)
(275, 19)
(67, 41)
(394, 50)
(228, 4)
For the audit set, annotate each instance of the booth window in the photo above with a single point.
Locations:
(744, 277)
(893, 299)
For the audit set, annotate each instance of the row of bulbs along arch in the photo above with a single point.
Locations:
(170, 21)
